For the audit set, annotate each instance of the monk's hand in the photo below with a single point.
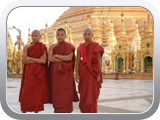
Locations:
(98, 78)
(43, 56)
(28, 58)
(77, 78)
(56, 56)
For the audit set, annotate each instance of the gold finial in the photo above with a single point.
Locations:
(122, 17)
(46, 25)
(122, 14)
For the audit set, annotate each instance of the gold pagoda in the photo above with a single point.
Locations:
(126, 33)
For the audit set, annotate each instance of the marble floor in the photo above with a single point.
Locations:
(117, 96)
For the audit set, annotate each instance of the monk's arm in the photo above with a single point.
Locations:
(41, 60)
(51, 58)
(65, 57)
(24, 60)
(77, 64)
(100, 65)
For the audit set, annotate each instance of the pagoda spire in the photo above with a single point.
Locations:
(70, 36)
(144, 31)
(149, 32)
(66, 39)
(9, 42)
(29, 37)
(111, 39)
(42, 39)
(54, 37)
(46, 37)
(104, 42)
(137, 37)
(122, 33)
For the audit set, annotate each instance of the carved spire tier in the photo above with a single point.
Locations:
(104, 42)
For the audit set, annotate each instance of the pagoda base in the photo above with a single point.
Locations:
(138, 76)
(16, 75)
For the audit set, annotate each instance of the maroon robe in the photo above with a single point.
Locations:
(89, 89)
(34, 91)
(63, 90)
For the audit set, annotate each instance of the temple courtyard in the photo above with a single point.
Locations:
(117, 96)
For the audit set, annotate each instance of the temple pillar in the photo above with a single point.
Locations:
(142, 66)
(152, 65)
(10, 66)
(20, 66)
(16, 68)
(114, 65)
(124, 65)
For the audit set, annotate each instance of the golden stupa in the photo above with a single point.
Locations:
(120, 30)
(126, 33)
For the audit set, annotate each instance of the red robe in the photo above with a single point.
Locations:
(63, 91)
(34, 91)
(88, 87)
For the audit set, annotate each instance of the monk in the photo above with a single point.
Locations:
(88, 72)
(63, 91)
(34, 91)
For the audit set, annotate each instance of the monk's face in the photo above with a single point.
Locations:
(35, 37)
(60, 36)
(87, 36)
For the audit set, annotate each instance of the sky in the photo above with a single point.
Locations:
(33, 17)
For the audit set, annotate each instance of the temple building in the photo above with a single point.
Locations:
(126, 33)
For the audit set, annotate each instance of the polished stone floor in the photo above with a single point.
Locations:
(117, 96)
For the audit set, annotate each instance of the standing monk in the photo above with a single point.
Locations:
(61, 68)
(34, 90)
(88, 72)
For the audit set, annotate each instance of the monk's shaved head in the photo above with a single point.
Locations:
(36, 31)
(88, 29)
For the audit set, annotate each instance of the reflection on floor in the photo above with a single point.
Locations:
(117, 96)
